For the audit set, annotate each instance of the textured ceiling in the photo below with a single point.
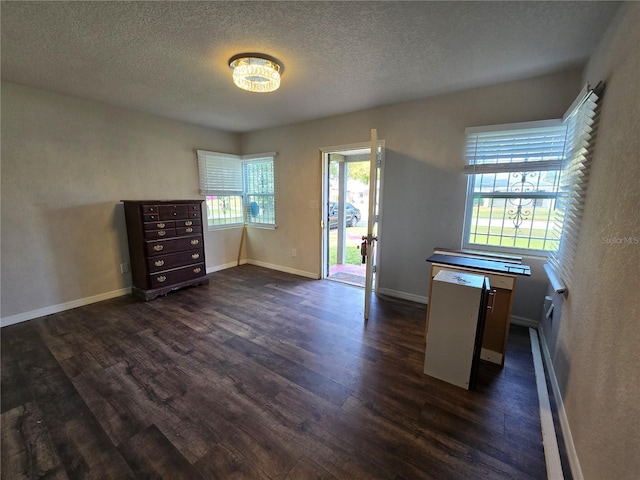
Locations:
(170, 58)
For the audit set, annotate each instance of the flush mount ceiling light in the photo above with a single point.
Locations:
(256, 72)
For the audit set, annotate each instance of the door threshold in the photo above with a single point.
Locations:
(348, 278)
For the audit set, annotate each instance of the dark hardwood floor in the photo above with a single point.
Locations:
(260, 375)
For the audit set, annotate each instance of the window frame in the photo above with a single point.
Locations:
(252, 160)
(243, 161)
(475, 171)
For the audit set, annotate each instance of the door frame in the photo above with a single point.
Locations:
(324, 201)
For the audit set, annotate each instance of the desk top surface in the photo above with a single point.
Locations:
(481, 264)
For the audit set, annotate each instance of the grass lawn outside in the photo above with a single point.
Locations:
(541, 213)
(354, 239)
(506, 237)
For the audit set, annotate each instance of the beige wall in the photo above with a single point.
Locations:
(423, 190)
(594, 336)
(88, 156)
(66, 164)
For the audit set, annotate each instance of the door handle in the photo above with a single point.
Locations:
(492, 293)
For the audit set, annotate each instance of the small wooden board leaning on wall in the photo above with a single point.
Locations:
(502, 271)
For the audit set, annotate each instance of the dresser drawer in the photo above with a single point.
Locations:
(171, 212)
(192, 222)
(158, 234)
(173, 245)
(177, 275)
(188, 230)
(151, 217)
(146, 209)
(160, 225)
(167, 262)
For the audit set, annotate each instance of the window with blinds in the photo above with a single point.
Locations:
(259, 191)
(238, 189)
(514, 178)
(582, 125)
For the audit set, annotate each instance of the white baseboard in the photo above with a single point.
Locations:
(42, 312)
(403, 295)
(525, 322)
(224, 266)
(549, 440)
(574, 462)
(61, 307)
(280, 268)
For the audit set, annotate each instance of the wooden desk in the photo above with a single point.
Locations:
(502, 273)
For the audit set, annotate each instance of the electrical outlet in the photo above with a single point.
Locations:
(294, 253)
(124, 268)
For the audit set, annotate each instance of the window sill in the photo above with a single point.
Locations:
(507, 251)
(224, 227)
(262, 226)
(236, 226)
(554, 279)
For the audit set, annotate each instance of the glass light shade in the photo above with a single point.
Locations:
(255, 74)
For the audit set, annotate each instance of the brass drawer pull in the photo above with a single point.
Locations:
(195, 242)
(161, 278)
(195, 256)
(158, 248)
(161, 233)
(159, 263)
(161, 225)
(189, 230)
(188, 223)
(197, 270)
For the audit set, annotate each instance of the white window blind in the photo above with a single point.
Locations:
(515, 147)
(514, 173)
(220, 173)
(582, 126)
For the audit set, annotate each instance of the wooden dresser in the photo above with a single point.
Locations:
(166, 246)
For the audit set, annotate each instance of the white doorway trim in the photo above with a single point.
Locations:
(351, 149)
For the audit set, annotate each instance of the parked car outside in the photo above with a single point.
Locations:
(352, 215)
